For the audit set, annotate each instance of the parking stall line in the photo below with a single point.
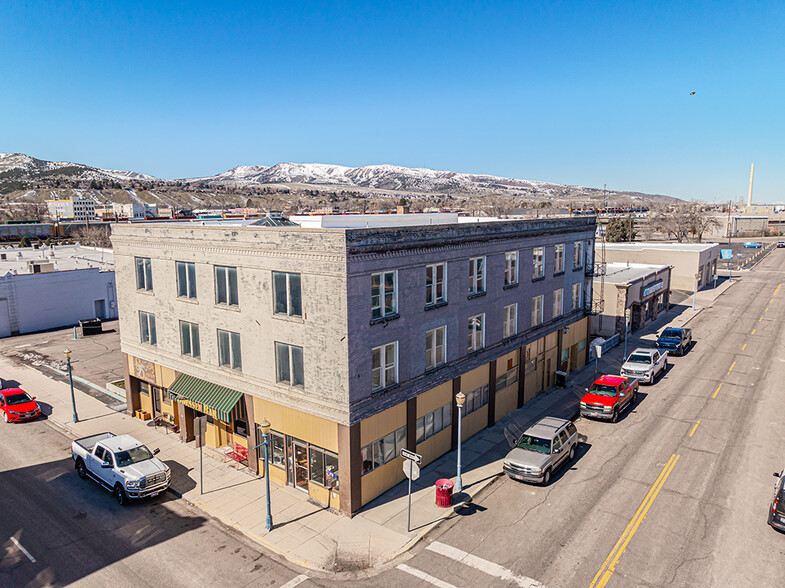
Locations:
(609, 565)
(295, 581)
(694, 428)
(490, 568)
(423, 576)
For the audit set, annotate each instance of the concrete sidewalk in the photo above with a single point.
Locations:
(307, 534)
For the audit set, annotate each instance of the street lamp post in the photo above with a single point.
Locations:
(626, 332)
(695, 291)
(67, 353)
(460, 398)
(265, 427)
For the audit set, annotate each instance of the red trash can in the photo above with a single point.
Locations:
(444, 493)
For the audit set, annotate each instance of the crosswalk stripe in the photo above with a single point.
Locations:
(490, 568)
(423, 576)
(295, 581)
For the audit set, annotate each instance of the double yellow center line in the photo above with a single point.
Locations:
(609, 567)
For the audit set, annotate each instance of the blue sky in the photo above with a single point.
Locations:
(570, 92)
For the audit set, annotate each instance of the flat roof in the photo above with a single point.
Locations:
(624, 273)
(695, 247)
(64, 257)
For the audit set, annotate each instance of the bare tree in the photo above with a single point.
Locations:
(701, 221)
(93, 236)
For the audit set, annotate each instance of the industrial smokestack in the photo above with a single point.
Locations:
(749, 194)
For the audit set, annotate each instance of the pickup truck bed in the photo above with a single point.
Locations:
(88, 443)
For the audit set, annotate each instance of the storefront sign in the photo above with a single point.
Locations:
(652, 288)
(144, 370)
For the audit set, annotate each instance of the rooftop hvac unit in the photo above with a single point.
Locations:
(3, 256)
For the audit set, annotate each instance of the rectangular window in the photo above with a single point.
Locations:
(475, 400)
(510, 320)
(385, 366)
(186, 279)
(434, 422)
(434, 284)
(476, 332)
(576, 296)
(558, 252)
(226, 285)
(538, 263)
(144, 274)
(589, 251)
(384, 450)
(435, 347)
(577, 255)
(286, 294)
(189, 339)
(289, 364)
(477, 275)
(537, 310)
(147, 327)
(510, 268)
(558, 309)
(384, 296)
(229, 354)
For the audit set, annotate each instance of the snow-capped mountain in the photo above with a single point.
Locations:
(18, 166)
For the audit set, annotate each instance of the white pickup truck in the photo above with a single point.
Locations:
(121, 464)
(645, 364)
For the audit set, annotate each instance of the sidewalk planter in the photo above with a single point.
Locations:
(444, 493)
(144, 415)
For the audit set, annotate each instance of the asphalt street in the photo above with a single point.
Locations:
(674, 494)
(57, 530)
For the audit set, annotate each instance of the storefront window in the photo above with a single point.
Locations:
(317, 466)
(278, 457)
(331, 470)
(144, 388)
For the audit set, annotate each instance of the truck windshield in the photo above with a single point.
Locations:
(135, 455)
(671, 334)
(535, 444)
(603, 390)
(640, 359)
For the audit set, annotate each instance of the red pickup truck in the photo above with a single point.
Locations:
(608, 396)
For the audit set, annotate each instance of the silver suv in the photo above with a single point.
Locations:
(542, 449)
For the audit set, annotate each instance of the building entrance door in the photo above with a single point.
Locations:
(155, 393)
(297, 464)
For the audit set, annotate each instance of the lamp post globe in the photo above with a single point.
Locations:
(460, 398)
(67, 353)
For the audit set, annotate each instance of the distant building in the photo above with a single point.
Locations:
(54, 287)
(74, 208)
(642, 289)
(687, 259)
(135, 210)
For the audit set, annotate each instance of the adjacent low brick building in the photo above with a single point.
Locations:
(351, 335)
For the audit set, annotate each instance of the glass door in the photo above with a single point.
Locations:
(300, 477)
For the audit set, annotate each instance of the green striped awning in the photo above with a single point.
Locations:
(212, 399)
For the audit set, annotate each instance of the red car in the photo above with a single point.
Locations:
(17, 405)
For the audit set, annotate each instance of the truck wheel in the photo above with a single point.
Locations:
(615, 416)
(119, 493)
(81, 469)
(572, 452)
(546, 477)
(635, 397)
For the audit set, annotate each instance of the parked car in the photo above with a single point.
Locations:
(752, 245)
(675, 340)
(609, 396)
(780, 244)
(17, 406)
(645, 364)
(543, 448)
(777, 510)
(121, 464)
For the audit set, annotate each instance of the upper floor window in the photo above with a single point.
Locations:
(144, 274)
(286, 293)
(558, 252)
(189, 339)
(434, 284)
(537, 310)
(557, 302)
(229, 354)
(384, 295)
(510, 320)
(476, 332)
(385, 366)
(538, 263)
(477, 275)
(576, 296)
(186, 279)
(577, 255)
(289, 364)
(226, 285)
(435, 347)
(147, 328)
(510, 268)
(589, 252)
